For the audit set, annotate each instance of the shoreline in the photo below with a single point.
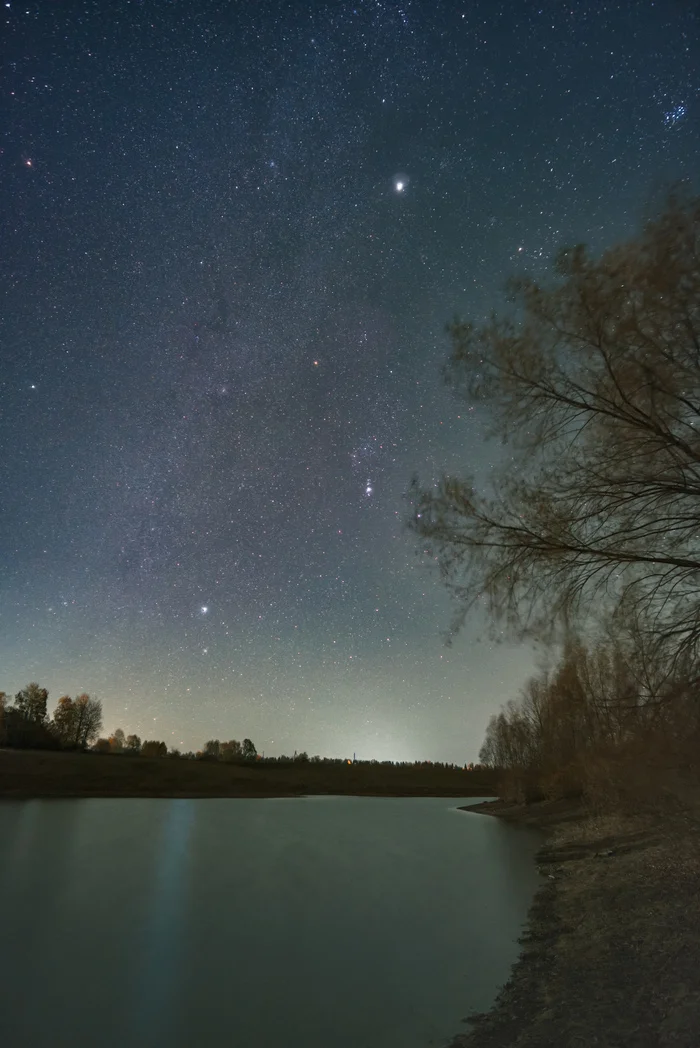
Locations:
(610, 948)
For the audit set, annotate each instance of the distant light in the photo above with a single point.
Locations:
(204, 609)
(399, 187)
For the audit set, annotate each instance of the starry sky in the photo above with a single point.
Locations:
(232, 234)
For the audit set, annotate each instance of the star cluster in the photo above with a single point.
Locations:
(233, 236)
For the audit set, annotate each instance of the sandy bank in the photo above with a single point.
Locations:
(611, 952)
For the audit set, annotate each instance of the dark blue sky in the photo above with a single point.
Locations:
(231, 237)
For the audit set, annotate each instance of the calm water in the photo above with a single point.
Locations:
(330, 921)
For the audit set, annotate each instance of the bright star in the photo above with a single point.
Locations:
(204, 609)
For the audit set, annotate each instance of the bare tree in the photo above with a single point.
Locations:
(595, 384)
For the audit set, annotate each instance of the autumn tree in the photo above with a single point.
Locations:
(594, 383)
(78, 722)
(31, 701)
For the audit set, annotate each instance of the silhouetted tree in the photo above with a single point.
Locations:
(152, 748)
(212, 749)
(231, 751)
(64, 721)
(595, 384)
(78, 722)
(31, 703)
(88, 719)
(133, 744)
(249, 752)
(117, 741)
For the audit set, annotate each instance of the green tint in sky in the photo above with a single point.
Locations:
(232, 236)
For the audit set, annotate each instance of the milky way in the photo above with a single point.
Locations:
(233, 234)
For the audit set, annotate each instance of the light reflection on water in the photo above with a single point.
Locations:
(359, 922)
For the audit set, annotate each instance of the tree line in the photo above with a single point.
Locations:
(603, 721)
(26, 724)
(76, 725)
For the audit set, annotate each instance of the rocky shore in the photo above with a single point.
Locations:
(611, 952)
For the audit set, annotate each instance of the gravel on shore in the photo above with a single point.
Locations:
(611, 951)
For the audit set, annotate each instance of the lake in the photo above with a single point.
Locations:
(354, 922)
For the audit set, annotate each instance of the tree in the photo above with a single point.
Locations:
(31, 703)
(133, 744)
(77, 722)
(212, 749)
(64, 721)
(595, 384)
(102, 746)
(117, 741)
(231, 751)
(249, 752)
(152, 748)
(88, 720)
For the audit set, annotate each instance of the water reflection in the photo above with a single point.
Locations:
(155, 990)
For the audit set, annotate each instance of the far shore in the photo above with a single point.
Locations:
(34, 774)
(610, 950)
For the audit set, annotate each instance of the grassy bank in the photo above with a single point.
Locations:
(35, 773)
(612, 948)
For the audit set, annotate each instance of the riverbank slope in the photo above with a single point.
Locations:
(611, 951)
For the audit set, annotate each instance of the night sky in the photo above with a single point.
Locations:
(232, 234)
